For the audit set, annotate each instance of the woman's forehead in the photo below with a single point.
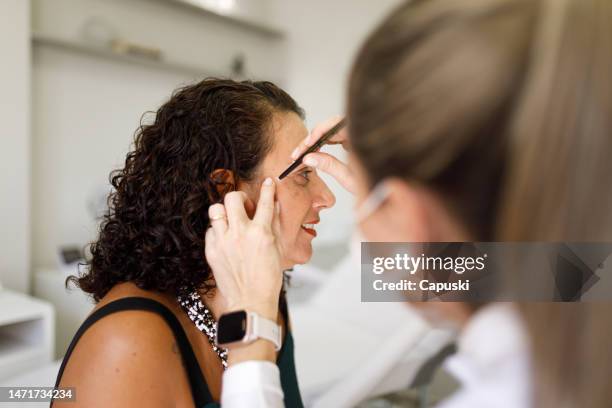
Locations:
(288, 131)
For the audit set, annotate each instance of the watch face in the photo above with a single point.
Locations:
(232, 327)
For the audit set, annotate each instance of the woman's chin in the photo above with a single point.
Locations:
(298, 258)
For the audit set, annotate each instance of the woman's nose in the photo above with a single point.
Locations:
(324, 197)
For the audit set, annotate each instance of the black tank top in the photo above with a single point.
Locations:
(202, 397)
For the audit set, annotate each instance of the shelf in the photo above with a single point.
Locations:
(104, 52)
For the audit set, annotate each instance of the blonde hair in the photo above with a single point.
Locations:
(504, 108)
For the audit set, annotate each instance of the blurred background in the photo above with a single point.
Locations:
(76, 77)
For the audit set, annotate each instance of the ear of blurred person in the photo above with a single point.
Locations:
(501, 109)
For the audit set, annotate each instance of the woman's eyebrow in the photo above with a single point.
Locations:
(303, 167)
(299, 169)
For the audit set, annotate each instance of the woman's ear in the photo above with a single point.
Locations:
(223, 180)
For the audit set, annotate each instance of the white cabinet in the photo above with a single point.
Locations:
(26, 333)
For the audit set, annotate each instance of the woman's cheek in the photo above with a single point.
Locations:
(294, 202)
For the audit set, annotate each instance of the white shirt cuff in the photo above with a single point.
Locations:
(252, 384)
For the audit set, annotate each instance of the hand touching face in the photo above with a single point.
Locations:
(302, 195)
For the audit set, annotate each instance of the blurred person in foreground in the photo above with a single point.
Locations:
(471, 120)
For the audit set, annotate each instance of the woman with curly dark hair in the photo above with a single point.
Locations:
(210, 140)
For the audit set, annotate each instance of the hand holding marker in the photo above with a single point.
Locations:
(329, 132)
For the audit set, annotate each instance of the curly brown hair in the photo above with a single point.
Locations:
(153, 232)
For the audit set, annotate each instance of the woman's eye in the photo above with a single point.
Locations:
(304, 176)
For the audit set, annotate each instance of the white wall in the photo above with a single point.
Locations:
(15, 144)
(85, 112)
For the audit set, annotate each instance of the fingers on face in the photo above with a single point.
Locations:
(218, 218)
(332, 166)
(211, 251)
(209, 239)
(315, 135)
(265, 207)
(321, 128)
(299, 149)
(234, 206)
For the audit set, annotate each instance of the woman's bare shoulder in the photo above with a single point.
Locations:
(127, 358)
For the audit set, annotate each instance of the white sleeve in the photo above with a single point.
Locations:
(252, 384)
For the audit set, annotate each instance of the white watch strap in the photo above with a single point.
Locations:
(262, 328)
